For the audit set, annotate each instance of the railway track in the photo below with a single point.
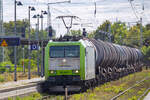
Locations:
(66, 96)
(120, 94)
(18, 91)
(140, 98)
(65, 92)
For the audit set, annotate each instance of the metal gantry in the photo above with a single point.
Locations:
(49, 23)
(49, 13)
(68, 27)
(140, 19)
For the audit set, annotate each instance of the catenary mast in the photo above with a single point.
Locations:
(1, 29)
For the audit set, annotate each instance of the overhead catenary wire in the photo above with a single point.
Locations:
(133, 9)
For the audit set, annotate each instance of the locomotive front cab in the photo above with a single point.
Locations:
(63, 63)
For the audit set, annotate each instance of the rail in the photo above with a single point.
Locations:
(19, 90)
(115, 97)
(143, 94)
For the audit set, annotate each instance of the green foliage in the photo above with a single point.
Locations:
(10, 67)
(18, 98)
(2, 79)
(7, 63)
(9, 98)
(146, 52)
(119, 32)
(133, 98)
(148, 27)
(36, 95)
(9, 27)
(115, 89)
(26, 62)
(3, 67)
(75, 32)
(91, 35)
(104, 27)
(133, 36)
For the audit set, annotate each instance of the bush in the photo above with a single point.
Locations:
(7, 63)
(6, 66)
(2, 79)
(26, 62)
(2, 69)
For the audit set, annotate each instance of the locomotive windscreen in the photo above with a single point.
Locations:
(64, 51)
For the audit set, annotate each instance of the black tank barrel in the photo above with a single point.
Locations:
(114, 55)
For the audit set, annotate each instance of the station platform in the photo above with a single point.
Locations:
(147, 97)
(19, 83)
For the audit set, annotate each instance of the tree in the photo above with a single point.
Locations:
(75, 32)
(116, 31)
(100, 31)
(148, 27)
(9, 27)
(9, 30)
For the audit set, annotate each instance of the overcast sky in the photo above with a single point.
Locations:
(105, 10)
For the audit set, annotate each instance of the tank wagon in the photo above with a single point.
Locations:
(88, 62)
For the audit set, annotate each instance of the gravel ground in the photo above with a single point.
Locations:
(19, 83)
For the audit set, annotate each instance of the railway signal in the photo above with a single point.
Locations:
(84, 32)
(147, 42)
(23, 29)
(50, 31)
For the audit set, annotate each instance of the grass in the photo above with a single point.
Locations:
(33, 96)
(36, 96)
(107, 90)
(110, 89)
(7, 76)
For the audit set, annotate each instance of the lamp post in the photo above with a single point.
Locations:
(30, 9)
(42, 64)
(42, 13)
(41, 16)
(37, 16)
(16, 3)
(37, 38)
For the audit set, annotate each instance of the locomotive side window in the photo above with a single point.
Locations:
(64, 51)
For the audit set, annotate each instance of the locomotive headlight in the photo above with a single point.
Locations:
(64, 60)
(76, 71)
(52, 72)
